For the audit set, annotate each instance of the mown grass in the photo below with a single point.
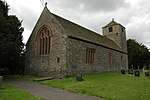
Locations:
(8, 92)
(108, 85)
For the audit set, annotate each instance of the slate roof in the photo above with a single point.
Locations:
(79, 32)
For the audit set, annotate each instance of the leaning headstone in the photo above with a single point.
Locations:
(137, 73)
(79, 77)
(123, 71)
(1, 79)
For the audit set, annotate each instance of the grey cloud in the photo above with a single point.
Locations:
(104, 5)
(84, 11)
(25, 14)
(139, 29)
(94, 14)
(94, 6)
(91, 14)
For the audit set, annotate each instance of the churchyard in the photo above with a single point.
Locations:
(106, 85)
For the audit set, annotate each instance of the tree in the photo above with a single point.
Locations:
(138, 54)
(11, 45)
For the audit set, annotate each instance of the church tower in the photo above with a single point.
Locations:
(117, 33)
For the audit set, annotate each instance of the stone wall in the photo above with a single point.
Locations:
(67, 55)
(76, 56)
(47, 65)
(118, 35)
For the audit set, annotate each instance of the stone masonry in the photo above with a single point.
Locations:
(68, 45)
(76, 58)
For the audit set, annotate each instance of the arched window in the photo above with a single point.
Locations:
(43, 41)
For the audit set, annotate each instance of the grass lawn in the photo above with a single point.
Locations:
(108, 85)
(11, 93)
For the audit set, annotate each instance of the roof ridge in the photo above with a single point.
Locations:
(77, 31)
(75, 23)
(74, 30)
(111, 24)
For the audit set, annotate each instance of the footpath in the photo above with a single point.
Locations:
(49, 93)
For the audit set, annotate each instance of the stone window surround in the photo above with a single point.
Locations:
(110, 29)
(110, 58)
(44, 40)
(90, 55)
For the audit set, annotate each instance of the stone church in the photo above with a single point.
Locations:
(58, 47)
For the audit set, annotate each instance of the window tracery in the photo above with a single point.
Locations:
(43, 41)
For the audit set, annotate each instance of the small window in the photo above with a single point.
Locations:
(122, 29)
(110, 58)
(90, 55)
(58, 59)
(121, 57)
(116, 34)
(110, 29)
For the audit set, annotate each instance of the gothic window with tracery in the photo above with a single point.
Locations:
(43, 41)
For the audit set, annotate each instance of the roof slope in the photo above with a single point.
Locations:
(112, 23)
(80, 32)
(73, 30)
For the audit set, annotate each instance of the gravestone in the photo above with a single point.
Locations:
(79, 77)
(123, 71)
(146, 73)
(1, 79)
(137, 73)
(130, 71)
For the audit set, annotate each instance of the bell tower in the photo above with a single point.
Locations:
(117, 33)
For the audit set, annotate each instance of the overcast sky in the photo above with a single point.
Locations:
(92, 14)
